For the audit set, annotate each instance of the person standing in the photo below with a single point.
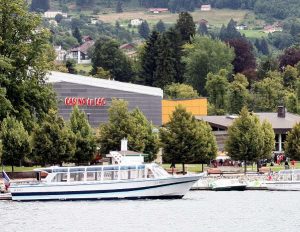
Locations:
(293, 163)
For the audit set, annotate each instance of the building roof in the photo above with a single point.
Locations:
(83, 47)
(56, 77)
(278, 123)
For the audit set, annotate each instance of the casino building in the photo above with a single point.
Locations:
(94, 96)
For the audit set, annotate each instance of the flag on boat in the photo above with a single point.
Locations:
(6, 180)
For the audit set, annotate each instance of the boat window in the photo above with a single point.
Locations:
(60, 170)
(77, 169)
(76, 176)
(60, 177)
(149, 173)
(110, 174)
(89, 169)
(92, 176)
(111, 168)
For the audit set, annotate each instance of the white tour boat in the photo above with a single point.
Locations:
(139, 181)
(228, 185)
(285, 180)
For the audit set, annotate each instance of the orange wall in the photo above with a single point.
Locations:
(195, 106)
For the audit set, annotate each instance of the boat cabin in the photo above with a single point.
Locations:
(289, 175)
(102, 173)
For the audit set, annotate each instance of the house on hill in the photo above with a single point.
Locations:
(205, 7)
(80, 53)
(136, 22)
(272, 28)
(158, 10)
(52, 14)
(241, 27)
(129, 49)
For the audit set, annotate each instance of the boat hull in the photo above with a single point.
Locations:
(230, 188)
(282, 185)
(166, 188)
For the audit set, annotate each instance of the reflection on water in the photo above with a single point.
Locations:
(199, 211)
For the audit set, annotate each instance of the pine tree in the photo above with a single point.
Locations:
(264, 47)
(40, 5)
(119, 7)
(177, 52)
(144, 30)
(165, 63)
(186, 26)
(202, 29)
(148, 59)
(160, 26)
(76, 33)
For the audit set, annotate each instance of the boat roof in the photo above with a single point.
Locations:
(289, 171)
(91, 168)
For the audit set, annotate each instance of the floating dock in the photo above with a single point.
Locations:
(5, 196)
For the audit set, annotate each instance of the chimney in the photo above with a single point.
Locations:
(281, 112)
(124, 144)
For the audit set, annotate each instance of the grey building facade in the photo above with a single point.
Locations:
(94, 97)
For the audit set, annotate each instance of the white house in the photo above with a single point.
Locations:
(52, 14)
(60, 53)
(205, 8)
(80, 53)
(136, 22)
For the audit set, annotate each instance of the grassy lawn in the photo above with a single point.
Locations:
(215, 17)
(198, 167)
(84, 67)
(253, 33)
(20, 169)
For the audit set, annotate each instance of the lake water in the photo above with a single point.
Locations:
(206, 211)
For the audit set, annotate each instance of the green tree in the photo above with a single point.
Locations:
(144, 132)
(186, 26)
(71, 66)
(268, 93)
(53, 142)
(76, 33)
(25, 58)
(205, 55)
(216, 87)
(290, 77)
(268, 139)
(148, 56)
(131, 125)
(15, 141)
(108, 56)
(202, 29)
(291, 146)
(58, 18)
(85, 139)
(144, 30)
(245, 138)
(183, 139)
(238, 94)
(119, 7)
(160, 26)
(176, 49)
(165, 72)
(40, 5)
(180, 91)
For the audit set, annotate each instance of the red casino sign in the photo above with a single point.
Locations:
(85, 101)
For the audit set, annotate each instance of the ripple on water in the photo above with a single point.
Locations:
(249, 211)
